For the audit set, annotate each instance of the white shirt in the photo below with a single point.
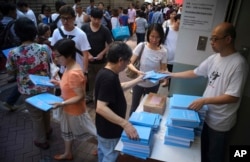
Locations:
(30, 14)
(150, 60)
(170, 44)
(80, 39)
(226, 75)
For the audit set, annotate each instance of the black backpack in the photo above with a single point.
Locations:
(7, 39)
(69, 37)
(53, 24)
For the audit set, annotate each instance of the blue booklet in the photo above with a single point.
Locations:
(182, 101)
(40, 80)
(184, 115)
(155, 76)
(6, 51)
(43, 101)
(143, 132)
(144, 118)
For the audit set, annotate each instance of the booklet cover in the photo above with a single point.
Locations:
(154, 76)
(184, 115)
(6, 51)
(143, 118)
(143, 132)
(183, 101)
(40, 80)
(43, 101)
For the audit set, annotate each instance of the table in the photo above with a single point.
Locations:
(168, 153)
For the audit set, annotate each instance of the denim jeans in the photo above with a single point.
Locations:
(106, 149)
(213, 144)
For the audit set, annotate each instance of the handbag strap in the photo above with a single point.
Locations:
(141, 51)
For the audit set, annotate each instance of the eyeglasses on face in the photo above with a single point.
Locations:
(64, 18)
(215, 39)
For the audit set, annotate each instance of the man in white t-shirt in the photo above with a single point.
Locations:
(226, 71)
(67, 15)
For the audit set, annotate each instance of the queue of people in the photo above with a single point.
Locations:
(89, 58)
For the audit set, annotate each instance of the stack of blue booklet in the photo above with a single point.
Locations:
(139, 148)
(180, 101)
(43, 101)
(155, 76)
(184, 118)
(183, 124)
(146, 119)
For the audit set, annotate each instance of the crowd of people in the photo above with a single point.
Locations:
(81, 43)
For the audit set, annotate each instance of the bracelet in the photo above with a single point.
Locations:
(63, 103)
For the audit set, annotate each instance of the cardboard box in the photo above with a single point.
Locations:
(155, 103)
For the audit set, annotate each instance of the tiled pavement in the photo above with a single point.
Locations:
(16, 139)
(16, 135)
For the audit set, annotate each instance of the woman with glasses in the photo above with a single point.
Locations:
(75, 120)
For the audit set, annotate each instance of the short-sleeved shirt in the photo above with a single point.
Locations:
(226, 75)
(79, 38)
(70, 80)
(108, 89)
(29, 59)
(97, 41)
(150, 60)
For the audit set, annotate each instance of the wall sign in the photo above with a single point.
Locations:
(198, 14)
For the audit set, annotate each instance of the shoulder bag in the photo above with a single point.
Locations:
(131, 74)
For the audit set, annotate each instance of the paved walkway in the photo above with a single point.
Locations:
(16, 133)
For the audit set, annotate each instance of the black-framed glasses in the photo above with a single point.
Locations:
(215, 39)
(65, 18)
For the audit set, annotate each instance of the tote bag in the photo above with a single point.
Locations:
(120, 33)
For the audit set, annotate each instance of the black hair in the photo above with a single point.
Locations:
(119, 50)
(172, 10)
(22, 4)
(77, 1)
(59, 4)
(125, 11)
(96, 13)
(66, 47)
(141, 14)
(44, 6)
(42, 29)
(6, 7)
(177, 17)
(68, 10)
(158, 28)
(25, 29)
(115, 12)
(101, 4)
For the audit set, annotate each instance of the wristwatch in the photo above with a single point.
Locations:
(85, 73)
(63, 103)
